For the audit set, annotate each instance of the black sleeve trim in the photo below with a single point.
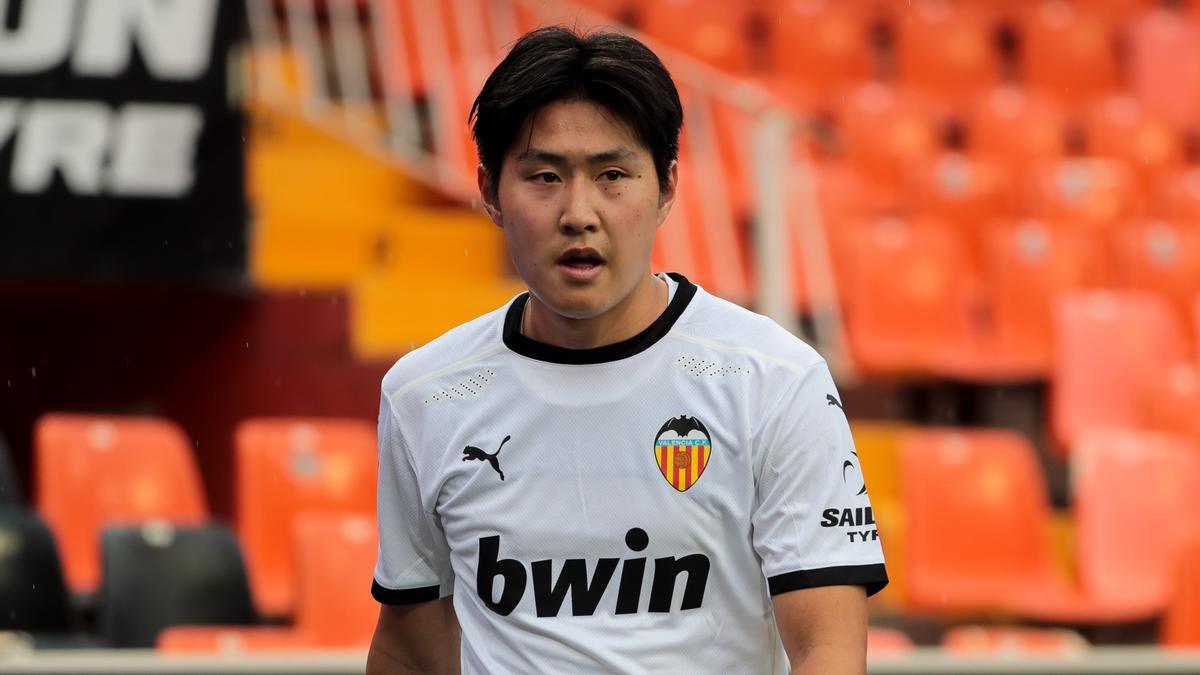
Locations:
(873, 577)
(404, 596)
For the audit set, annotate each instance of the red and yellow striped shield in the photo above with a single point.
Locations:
(682, 459)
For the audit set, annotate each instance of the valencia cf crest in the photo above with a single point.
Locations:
(682, 450)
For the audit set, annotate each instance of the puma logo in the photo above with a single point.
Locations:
(471, 452)
(834, 401)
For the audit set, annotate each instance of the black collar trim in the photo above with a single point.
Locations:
(541, 351)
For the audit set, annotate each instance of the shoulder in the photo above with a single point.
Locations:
(456, 349)
(722, 326)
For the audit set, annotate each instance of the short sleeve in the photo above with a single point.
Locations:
(813, 522)
(414, 559)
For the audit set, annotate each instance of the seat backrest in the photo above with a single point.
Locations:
(32, 591)
(1012, 640)
(1126, 487)
(1017, 127)
(1067, 50)
(334, 554)
(159, 575)
(1027, 262)
(1164, 63)
(822, 45)
(1106, 344)
(977, 529)
(946, 49)
(95, 471)
(286, 467)
(715, 32)
(1162, 257)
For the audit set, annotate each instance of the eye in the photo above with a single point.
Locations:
(544, 177)
(612, 174)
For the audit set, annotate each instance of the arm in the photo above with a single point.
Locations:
(824, 629)
(420, 638)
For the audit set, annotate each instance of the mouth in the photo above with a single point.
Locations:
(581, 264)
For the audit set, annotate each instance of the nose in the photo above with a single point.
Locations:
(579, 212)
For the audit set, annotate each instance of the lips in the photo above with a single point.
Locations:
(581, 263)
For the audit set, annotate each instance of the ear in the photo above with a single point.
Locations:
(666, 196)
(491, 203)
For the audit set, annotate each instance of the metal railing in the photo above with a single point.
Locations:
(397, 77)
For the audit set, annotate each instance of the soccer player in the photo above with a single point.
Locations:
(616, 472)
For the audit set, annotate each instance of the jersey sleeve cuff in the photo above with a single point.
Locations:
(873, 577)
(403, 596)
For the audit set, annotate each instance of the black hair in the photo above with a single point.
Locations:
(615, 71)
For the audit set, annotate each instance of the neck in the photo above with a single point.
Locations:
(626, 319)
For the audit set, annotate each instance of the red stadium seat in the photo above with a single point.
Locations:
(1124, 485)
(1180, 195)
(1017, 127)
(965, 191)
(821, 45)
(1009, 640)
(945, 49)
(1067, 51)
(1026, 264)
(911, 294)
(1161, 257)
(1164, 64)
(1170, 400)
(1180, 626)
(94, 471)
(286, 467)
(1096, 383)
(979, 530)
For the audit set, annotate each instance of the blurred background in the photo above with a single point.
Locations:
(221, 221)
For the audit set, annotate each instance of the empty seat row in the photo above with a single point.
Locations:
(968, 530)
(96, 472)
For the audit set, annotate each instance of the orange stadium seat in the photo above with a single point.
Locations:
(93, 472)
(715, 32)
(978, 533)
(1180, 195)
(286, 467)
(1119, 127)
(1067, 51)
(821, 45)
(1180, 627)
(965, 191)
(1125, 486)
(979, 640)
(1164, 64)
(1026, 264)
(878, 447)
(886, 132)
(1171, 398)
(887, 642)
(911, 296)
(1096, 383)
(1017, 127)
(1161, 257)
(334, 554)
(1094, 194)
(946, 49)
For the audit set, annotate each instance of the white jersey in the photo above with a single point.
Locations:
(629, 508)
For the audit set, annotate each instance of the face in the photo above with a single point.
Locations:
(579, 202)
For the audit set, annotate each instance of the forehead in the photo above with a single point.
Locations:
(576, 127)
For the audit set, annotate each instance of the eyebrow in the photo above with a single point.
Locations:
(539, 155)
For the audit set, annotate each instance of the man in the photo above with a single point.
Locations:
(617, 472)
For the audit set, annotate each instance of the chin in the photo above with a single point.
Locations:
(575, 303)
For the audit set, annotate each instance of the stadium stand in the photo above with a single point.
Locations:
(286, 467)
(93, 472)
(1012, 641)
(159, 575)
